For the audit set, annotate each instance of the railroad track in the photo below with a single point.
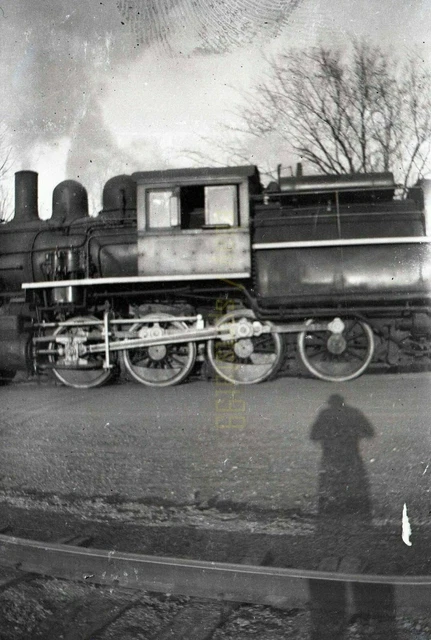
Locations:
(98, 593)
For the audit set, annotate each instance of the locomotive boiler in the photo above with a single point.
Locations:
(179, 265)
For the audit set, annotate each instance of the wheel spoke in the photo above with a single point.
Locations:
(320, 352)
(354, 354)
(352, 326)
(176, 359)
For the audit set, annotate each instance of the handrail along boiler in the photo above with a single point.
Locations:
(333, 272)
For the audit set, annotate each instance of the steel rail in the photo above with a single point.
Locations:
(277, 587)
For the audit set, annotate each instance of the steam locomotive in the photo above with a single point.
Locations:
(180, 265)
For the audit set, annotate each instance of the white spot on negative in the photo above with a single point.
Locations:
(407, 530)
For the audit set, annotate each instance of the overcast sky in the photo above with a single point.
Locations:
(95, 88)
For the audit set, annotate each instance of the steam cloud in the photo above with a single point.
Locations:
(60, 50)
(57, 54)
(60, 55)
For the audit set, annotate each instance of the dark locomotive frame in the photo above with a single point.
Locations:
(333, 270)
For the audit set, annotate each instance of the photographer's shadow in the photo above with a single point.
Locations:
(343, 482)
(344, 529)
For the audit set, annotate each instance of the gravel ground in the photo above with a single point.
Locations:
(169, 444)
(134, 464)
(47, 608)
(56, 610)
(218, 532)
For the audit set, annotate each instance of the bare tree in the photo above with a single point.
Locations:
(233, 148)
(6, 202)
(364, 111)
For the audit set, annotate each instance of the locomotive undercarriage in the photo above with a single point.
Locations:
(156, 338)
(159, 344)
(161, 348)
(403, 342)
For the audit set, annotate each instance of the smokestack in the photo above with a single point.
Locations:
(26, 196)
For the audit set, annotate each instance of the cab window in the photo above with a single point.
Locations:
(162, 207)
(221, 205)
(193, 207)
(209, 206)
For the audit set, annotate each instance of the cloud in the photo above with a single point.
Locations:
(57, 57)
(54, 54)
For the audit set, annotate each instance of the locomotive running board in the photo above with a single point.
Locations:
(81, 282)
(347, 242)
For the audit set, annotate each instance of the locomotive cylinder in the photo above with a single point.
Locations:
(26, 196)
(14, 344)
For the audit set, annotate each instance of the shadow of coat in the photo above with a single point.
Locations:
(344, 518)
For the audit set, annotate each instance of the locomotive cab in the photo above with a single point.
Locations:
(194, 223)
